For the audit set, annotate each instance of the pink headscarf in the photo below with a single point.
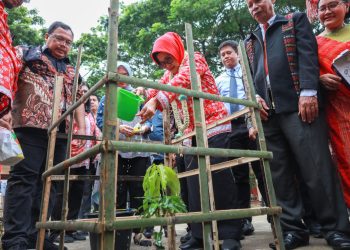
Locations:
(170, 43)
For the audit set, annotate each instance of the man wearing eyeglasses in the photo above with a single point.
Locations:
(243, 135)
(31, 116)
(10, 65)
(282, 52)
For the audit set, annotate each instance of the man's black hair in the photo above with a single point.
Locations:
(58, 24)
(231, 43)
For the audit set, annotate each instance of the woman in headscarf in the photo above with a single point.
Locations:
(129, 163)
(334, 40)
(169, 53)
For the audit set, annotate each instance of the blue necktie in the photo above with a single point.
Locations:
(233, 90)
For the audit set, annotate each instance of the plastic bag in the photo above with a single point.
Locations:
(10, 150)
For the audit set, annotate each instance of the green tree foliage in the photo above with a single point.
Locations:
(26, 26)
(213, 21)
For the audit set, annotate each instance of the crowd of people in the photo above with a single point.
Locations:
(305, 112)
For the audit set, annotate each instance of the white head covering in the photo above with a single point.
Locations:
(126, 66)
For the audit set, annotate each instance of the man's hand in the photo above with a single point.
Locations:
(148, 110)
(330, 81)
(264, 109)
(6, 121)
(252, 133)
(308, 108)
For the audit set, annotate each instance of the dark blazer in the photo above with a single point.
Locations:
(284, 95)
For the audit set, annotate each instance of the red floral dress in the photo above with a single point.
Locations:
(213, 110)
(337, 110)
(9, 65)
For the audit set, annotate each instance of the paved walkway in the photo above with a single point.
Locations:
(258, 241)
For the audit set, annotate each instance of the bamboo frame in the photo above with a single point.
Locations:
(107, 222)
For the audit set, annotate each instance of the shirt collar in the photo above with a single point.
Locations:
(47, 52)
(236, 68)
(270, 22)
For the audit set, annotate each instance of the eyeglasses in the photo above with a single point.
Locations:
(331, 6)
(168, 60)
(62, 40)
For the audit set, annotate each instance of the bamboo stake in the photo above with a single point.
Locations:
(200, 127)
(49, 161)
(109, 158)
(64, 211)
(177, 149)
(93, 225)
(220, 166)
(112, 76)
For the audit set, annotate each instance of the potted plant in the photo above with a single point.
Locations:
(161, 196)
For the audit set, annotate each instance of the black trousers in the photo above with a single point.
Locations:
(239, 139)
(134, 167)
(24, 186)
(298, 144)
(225, 193)
(75, 195)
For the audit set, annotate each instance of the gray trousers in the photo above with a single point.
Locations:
(296, 144)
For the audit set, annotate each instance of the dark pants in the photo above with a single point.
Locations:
(75, 195)
(85, 207)
(290, 141)
(239, 139)
(24, 186)
(134, 167)
(225, 193)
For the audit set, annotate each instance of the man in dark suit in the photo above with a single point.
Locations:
(282, 53)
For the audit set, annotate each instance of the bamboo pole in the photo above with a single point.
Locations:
(276, 228)
(176, 149)
(200, 128)
(188, 92)
(220, 166)
(93, 225)
(64, 211)
(109, 158)
(49, 160)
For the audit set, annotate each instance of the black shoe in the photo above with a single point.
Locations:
(292, 241)
(192, 244)
(338, 241)
(148, 232)
(78, 236)
(67, 239)
(247, 227)
(231, 244)
(186, 237)
(48, 245)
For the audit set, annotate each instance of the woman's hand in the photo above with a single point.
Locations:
(148, 111)
(126, 130)
(330, 81)
(140, 91)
